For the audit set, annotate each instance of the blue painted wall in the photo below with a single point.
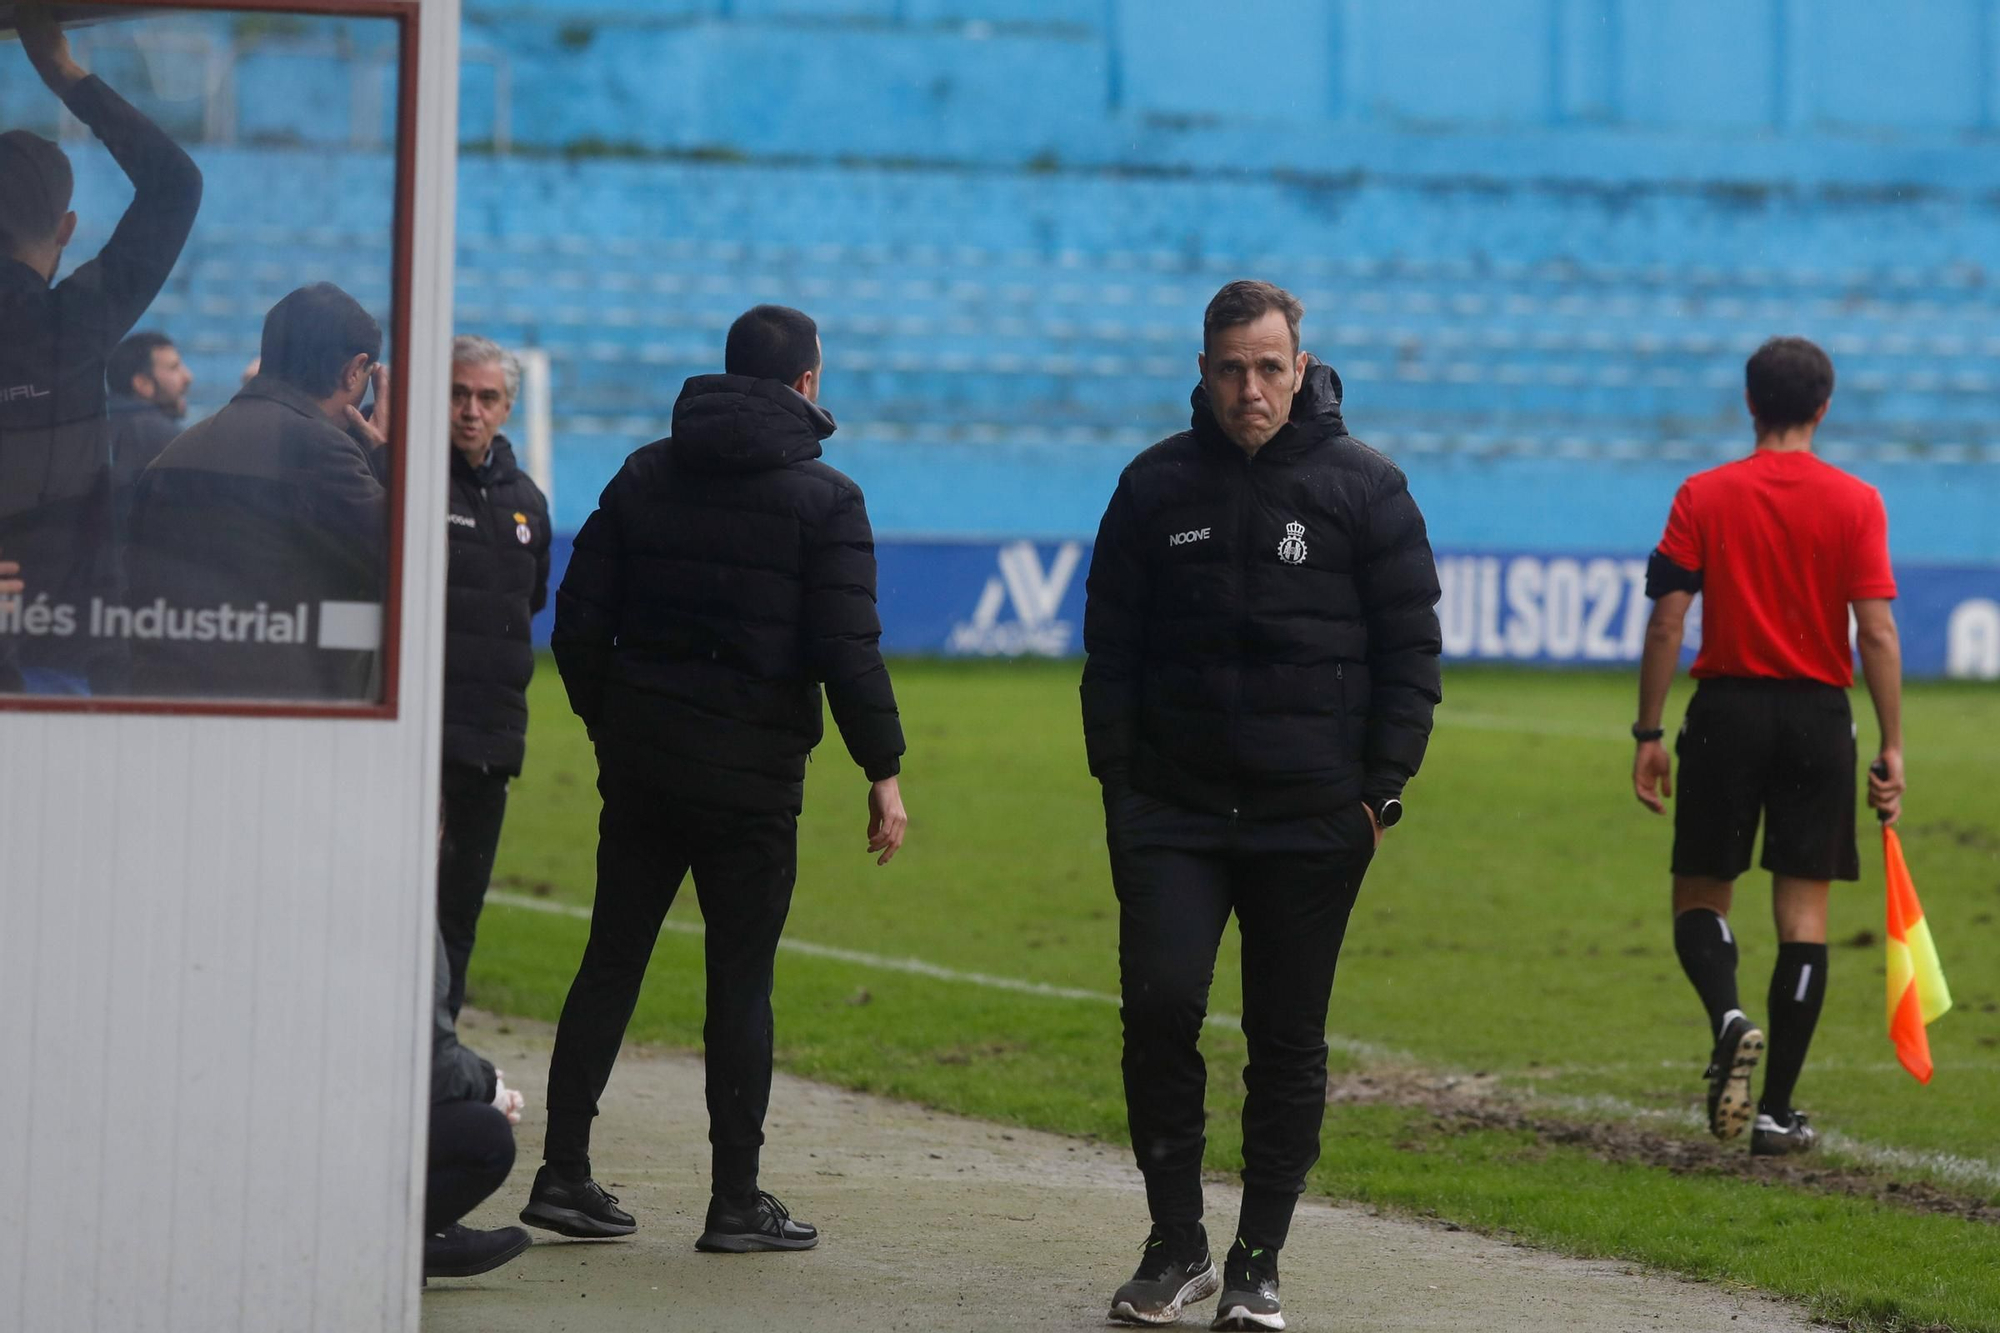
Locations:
(1538, 237)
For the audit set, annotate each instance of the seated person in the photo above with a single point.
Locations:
(473, 1114)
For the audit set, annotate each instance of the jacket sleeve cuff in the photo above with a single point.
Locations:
(1380, 786)
(883, 769)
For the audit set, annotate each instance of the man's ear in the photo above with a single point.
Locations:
(143, 385)
(66, 229)
(1201, 364)
(354, 375)
(1820, 415)
(1299, 369)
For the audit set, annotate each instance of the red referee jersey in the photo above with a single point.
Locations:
(1783, 541)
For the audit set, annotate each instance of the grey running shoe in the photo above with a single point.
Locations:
(1249, 1292)
(1736, 1053)
(1171, 1274)
(1772, 1139)
(578, 1208)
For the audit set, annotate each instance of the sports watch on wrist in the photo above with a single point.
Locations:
(1389, 813)
(1644, 734)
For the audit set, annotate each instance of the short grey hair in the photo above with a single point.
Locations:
(469, 349)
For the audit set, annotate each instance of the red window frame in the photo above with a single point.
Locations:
(406, 13)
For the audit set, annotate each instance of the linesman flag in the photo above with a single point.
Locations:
(1917, 993)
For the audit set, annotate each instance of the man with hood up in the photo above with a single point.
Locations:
(726, 575)
(1263, 645)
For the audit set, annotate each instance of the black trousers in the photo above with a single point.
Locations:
(1179, 875)
(475, 804)
(744, 865)
(471, 1152)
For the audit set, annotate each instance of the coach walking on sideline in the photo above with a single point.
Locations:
(726, 572)
(496, 580)
(1780, 545)
(1263, 662)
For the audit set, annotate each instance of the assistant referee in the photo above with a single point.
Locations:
(1781, 545)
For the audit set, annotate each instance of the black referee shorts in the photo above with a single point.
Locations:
(1780, 748)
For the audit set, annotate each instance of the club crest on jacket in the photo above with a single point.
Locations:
(1292, 550)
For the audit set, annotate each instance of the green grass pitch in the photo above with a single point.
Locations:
(1516, 926)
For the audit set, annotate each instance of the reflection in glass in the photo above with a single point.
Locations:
(184, 528)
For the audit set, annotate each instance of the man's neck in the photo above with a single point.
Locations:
(44, 260)
(1797, 440)
(485, 457)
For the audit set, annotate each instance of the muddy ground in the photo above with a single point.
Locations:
(935, 1222)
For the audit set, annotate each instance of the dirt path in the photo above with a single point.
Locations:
(934, 1222)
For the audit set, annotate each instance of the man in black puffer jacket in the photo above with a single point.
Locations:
(1263, 663)
(497, 579)
(726, 573)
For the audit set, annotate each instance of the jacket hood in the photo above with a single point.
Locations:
(1315, 411)
(736, 423)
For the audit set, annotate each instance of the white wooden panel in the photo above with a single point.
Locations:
(215, 952)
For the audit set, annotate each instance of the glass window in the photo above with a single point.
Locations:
(199, 288)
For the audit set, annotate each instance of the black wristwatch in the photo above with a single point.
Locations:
(1389, 813)
(1643, 734)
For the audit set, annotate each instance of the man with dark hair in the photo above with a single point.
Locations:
(56, 506)
(149, 387)
(496, 579)
(775, 342)
(726, 575)
(1263, 664)
(275, 502)
(1781, 546)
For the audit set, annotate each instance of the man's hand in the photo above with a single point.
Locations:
(1374, 823)
(1652, 776)
(10, 581)
(1886, 793)
(47, 46)
(375, 429)
(505, 1100)
(886, 821)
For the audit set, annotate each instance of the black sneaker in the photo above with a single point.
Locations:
(1171, 1274)
(1736, 1053)
(765, 1225)
(459, 1251)
(1249, 1291)
(1772, 1139)
(578, 1208)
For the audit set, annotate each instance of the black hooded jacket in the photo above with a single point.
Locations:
(725, 574)
(496, 580)
(1262, 631)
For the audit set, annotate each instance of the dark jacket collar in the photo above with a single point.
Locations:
(501, 464)
(275, 390)
(735, 423)
(1315, 416)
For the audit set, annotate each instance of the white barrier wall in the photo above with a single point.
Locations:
(215, 954)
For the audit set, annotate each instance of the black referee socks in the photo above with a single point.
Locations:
(1798, 989)
(1707, 952)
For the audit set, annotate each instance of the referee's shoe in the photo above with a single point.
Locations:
(1736, 1054)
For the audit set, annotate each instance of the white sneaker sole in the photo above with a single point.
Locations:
(1198, 1288)
(1734, 1109)
(1241, 1319)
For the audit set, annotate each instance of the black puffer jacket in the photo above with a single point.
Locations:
(1262, 632)
(725, 572)
(497, 579)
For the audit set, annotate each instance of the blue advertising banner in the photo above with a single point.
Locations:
(1009, 599)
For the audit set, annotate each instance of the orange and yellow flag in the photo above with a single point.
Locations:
(1917, 993)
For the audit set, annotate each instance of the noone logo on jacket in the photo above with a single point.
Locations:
(1191, 535)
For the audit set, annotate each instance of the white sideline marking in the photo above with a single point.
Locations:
(917, 967)
(1963, 1170)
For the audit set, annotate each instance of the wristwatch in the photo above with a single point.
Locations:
(1389, 813)
(1643, 734)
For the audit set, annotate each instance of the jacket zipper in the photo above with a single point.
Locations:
(1245, 492)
